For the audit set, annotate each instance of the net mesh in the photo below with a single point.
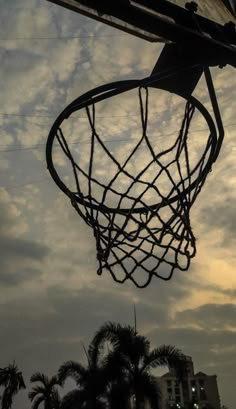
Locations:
(137, 239)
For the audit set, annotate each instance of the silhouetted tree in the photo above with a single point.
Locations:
(91, 381)
(117, 394)
(11, 379)
(130, 361)
(45, 392)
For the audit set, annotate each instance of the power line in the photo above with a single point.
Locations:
(22, 149)
(42, 145)
(86, 142)
(74, 117)
(85, 117)
(26, 115)
(9, 187)
(60, 37)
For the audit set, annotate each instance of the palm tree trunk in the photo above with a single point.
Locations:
(139, 401)
(47, 405)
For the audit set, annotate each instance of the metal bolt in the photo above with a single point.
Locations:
(230, 28)
(191, 6)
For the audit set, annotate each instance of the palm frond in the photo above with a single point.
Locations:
(98, 341)
(37, 402)
(4, 376)
(6, 399)
(107, 332)
(73, 399)
(115, 365)
(40, 377)
(53, 381)
(21, 382)
(36, 390)
(56, 400)
(46, 391)
(32, 394)
(72, 370)
(12, 380)
(112, 332)
(122, 338)
(12, 388)
(164, 355)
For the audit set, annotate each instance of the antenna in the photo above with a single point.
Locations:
(85, 351)
(135, 320)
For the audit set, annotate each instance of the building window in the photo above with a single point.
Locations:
(193, 388)
(178, 399)
(168, 383)
(202, 393)
(177, 391)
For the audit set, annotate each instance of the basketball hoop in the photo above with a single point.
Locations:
(141, 223)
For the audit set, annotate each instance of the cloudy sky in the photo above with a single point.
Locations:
(51, 298)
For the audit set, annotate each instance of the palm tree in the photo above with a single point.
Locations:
(117, 394)
(132, 355)
(45, 393)
(91, 382)
(11, 379)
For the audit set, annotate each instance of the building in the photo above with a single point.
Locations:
(197, 391)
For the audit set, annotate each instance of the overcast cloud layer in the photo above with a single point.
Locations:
(51, 298)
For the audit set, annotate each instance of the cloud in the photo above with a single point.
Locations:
(19, 255)
(214, 316)
(222, 216)
(20, 276)
(51, 297)
(213, 351)
(228, 294)
(207, 334)
(21, 248)
(63, 317)
(19, 260)
(11, 220)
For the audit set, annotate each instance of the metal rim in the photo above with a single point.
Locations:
(104, 92)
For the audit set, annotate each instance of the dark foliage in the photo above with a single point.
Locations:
(11, 379)
(45, 392)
